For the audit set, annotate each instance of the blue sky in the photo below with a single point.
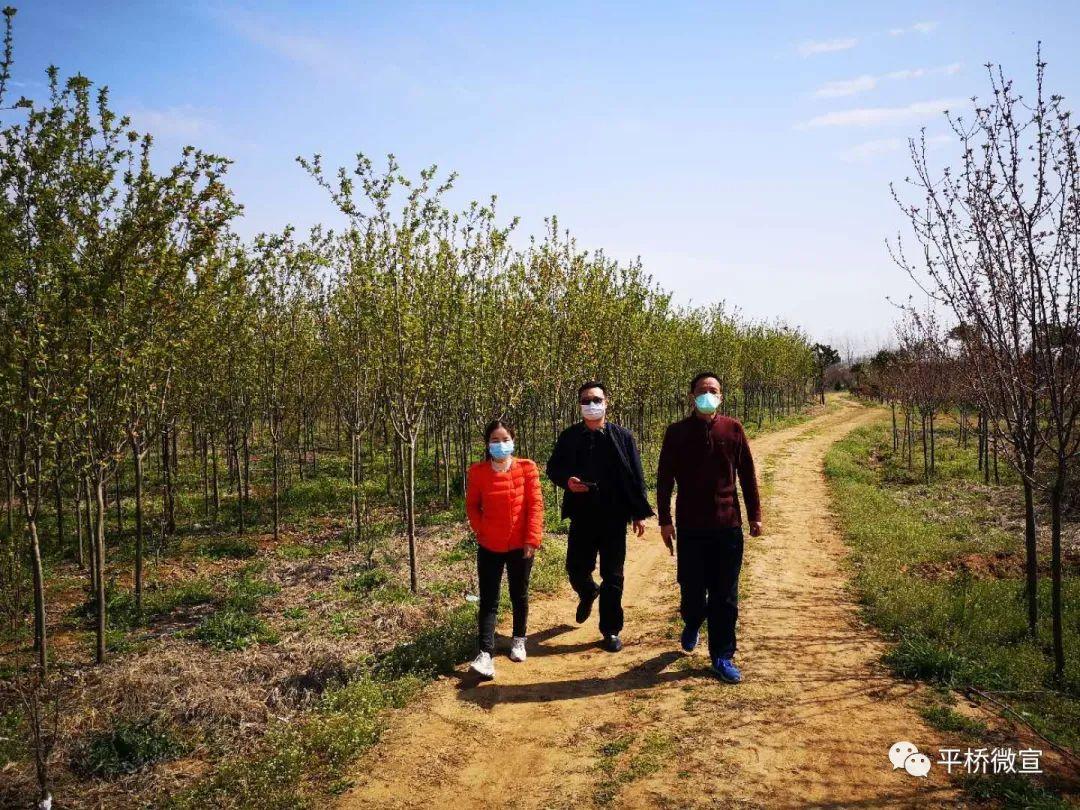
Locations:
(744, 151)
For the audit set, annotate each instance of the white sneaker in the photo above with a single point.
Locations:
(483, 666)
(517, 649)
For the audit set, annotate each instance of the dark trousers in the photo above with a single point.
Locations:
(489, 569)
(709, 561)
(605, 537)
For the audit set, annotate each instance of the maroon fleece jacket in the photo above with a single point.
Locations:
(703, 459)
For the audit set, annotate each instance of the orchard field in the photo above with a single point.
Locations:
(235, 569)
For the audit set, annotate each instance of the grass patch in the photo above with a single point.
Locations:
(366, 581)
(228, 548)
(622, 762)
(127, 747)
(12, 747)
(960, 629)
(232, 629)
(308, 758)
(234, 625)
(946, 718)
(1012, 790)
(297, 551)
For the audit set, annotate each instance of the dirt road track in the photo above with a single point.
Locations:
(809, 727)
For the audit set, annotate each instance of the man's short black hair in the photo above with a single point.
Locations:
(704, 375)
(592, 384)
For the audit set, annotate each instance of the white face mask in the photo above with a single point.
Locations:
(593, 412)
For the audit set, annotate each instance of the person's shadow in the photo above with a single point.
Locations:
(646, 674)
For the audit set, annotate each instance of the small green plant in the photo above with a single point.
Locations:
(234, 548)
(244, 591)
(945, 718)
(366, 580)
(232, 629)
(127, 747)
(296, 551)
(395, 595)
(11, 737)
(1012, 790)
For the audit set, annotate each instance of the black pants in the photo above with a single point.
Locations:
(606, 537)
(489, 568)
(709, 562)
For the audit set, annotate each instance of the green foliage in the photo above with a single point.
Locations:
(127, 747)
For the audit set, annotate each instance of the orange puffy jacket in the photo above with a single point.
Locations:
(506, 510)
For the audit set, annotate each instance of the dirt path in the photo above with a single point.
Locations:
(574, 726)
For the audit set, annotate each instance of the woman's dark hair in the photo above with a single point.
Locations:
(492, 426)
(704, 375)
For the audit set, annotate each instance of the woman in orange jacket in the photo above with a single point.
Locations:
(506, 512)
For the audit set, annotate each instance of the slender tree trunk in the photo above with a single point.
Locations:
(79, 548)
(119, 503)
(410, 513)
(239, 486)
(247, 469)
(205, 477)
(1056, 498)
(354, 458)
(91, 534)
(214, 478)
(1031, 567)
(58, 495)
(100, 552)
(137, 458)
(275, 451)
(41, 642)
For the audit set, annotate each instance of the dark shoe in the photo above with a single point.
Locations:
(726, 671)
(689, 639)
(612, 643)
(584, 607)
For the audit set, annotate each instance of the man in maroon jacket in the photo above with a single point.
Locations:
(703, 455)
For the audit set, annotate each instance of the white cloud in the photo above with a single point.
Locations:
(182, 123)
(317, 53)
(868, 150)
(813, 47)
(846, 87)
(875, 116)
(918, 28)
(862, 84)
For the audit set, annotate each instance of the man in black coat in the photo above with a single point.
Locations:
(598, 465)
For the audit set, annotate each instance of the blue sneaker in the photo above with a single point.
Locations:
(689, 639)
(726, 671)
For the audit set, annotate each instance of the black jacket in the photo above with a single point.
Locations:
(560, 469)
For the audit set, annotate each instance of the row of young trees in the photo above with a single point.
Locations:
(137, 327)
(998, 249)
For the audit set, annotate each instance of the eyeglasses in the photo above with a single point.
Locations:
(593, 401)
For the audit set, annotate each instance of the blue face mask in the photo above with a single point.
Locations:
(501, 450)
(707, 403)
